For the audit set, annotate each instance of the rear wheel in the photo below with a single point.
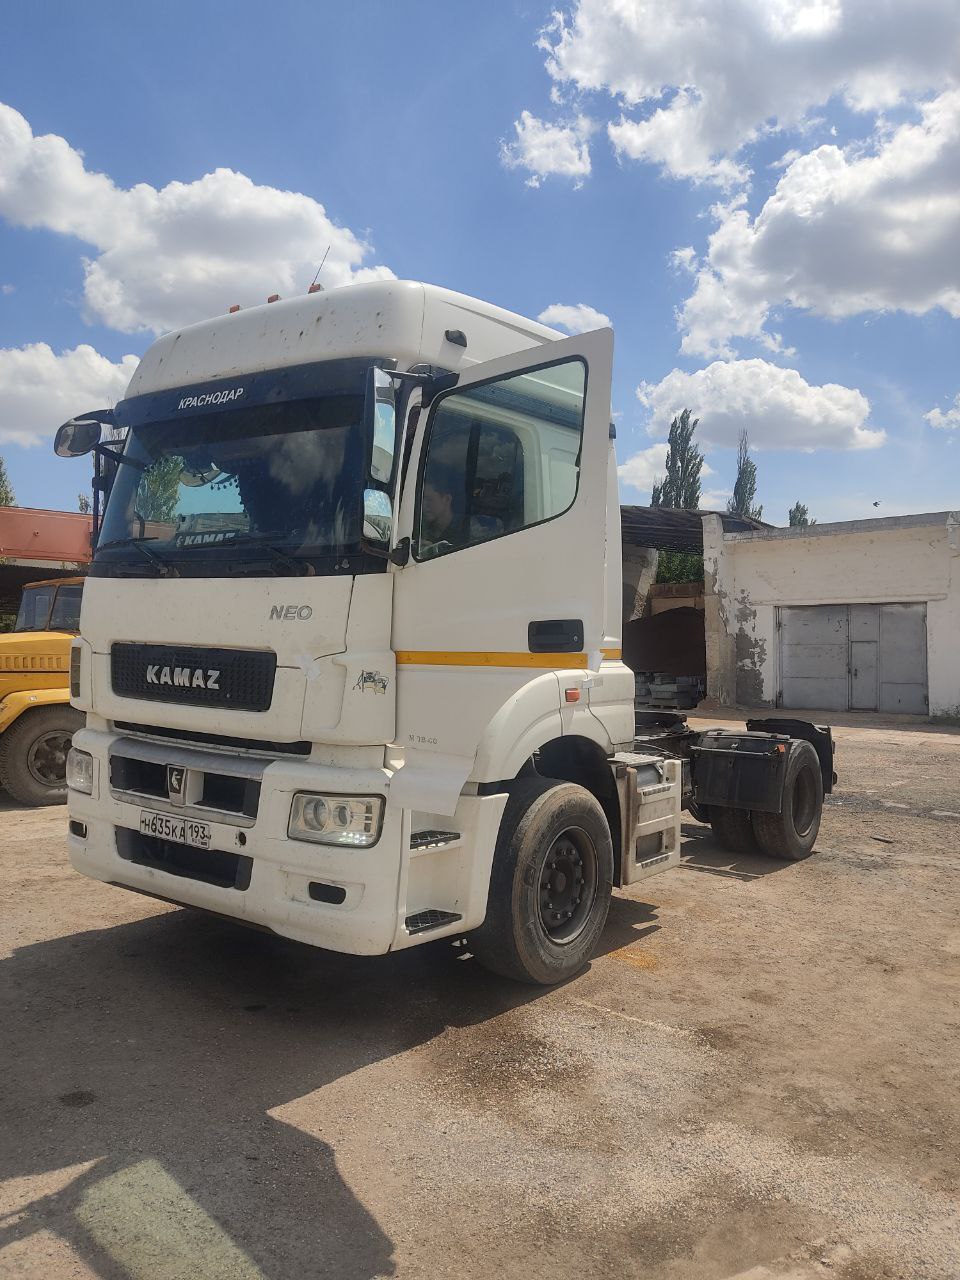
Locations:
(33, 755)
(792, 833)
(550, 884)
(733, 829)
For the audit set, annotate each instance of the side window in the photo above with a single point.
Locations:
(501, 456)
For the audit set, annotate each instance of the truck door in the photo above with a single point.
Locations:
(504, 503)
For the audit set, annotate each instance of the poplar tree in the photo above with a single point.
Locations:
(745, 486)
(680, 487)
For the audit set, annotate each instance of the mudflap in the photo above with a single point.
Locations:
(740, 770)
(818, 735)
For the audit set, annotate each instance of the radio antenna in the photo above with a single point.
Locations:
(320, 268)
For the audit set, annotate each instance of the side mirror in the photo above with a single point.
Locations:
(382, 422)
(81, 435)
(377, 516)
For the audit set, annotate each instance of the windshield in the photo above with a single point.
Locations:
(35, 606)
(50, 607)
(248, 490)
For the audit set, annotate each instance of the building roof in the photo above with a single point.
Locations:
(881, 524)
(675, 528)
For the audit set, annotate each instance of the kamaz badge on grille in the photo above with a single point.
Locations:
(183, 677)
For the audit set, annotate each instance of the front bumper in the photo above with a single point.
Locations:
(277, 879)
(280, 870)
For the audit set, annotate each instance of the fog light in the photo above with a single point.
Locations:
(342, 820)
(80, 771)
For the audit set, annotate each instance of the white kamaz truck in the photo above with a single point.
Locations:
(350, 642)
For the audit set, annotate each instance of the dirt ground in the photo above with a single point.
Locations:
(756, 1078)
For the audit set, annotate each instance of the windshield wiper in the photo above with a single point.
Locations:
(164, 568)
(254, 542)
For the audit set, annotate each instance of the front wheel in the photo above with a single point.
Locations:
(550, 884)
(33, 755)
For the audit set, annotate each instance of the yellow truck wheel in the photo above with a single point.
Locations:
(33, 755)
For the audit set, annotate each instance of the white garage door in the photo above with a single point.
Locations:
(863, 657)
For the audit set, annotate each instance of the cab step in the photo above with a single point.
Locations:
(433, 839)
(430, 919)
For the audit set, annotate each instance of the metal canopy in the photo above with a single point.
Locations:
(675, 529)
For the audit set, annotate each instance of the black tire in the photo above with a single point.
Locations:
(554, 856)
(699, 812)
(33, 755)
(792, 833)
(733, 829)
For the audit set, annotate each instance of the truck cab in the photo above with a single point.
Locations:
(36, 719)
(350, 641)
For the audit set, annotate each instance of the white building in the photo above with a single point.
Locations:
(861, 615)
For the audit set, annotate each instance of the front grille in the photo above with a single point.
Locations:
(216, 739)
(241, 680)
(210, 866)
(144, 777)
(197, 782)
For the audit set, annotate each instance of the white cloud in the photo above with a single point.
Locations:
(184, 252)
(702, 80)
(578, 318)
(545, 149)
(844, 232)
(40, 389)
(948, 421)
(778, 408)
(715, 499)
(645, 466)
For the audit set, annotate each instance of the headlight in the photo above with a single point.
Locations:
(80, 771)
(343, 820)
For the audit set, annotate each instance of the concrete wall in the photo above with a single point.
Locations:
(748, 575)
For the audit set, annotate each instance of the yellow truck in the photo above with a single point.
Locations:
(36, 719)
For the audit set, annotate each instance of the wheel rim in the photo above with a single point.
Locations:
(567, 886)
(804, 808)
(47, 758)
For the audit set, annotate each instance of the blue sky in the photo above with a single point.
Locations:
(768, 213)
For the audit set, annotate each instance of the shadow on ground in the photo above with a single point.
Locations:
(156, 1050)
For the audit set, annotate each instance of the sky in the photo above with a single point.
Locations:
(762, 197)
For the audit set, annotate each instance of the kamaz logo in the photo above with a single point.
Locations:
(291, 612)
(183, 677)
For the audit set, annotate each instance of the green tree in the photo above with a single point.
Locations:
(745, 486)
(159, 489)
(7, 497)
(680, 487)
(799, 516)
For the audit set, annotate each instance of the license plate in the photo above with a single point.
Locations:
(179, 830)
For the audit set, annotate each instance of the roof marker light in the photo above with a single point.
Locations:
(234, 308)
(274, 297)
(571, 695)
(315, 288)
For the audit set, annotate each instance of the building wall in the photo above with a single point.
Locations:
(872, 561)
